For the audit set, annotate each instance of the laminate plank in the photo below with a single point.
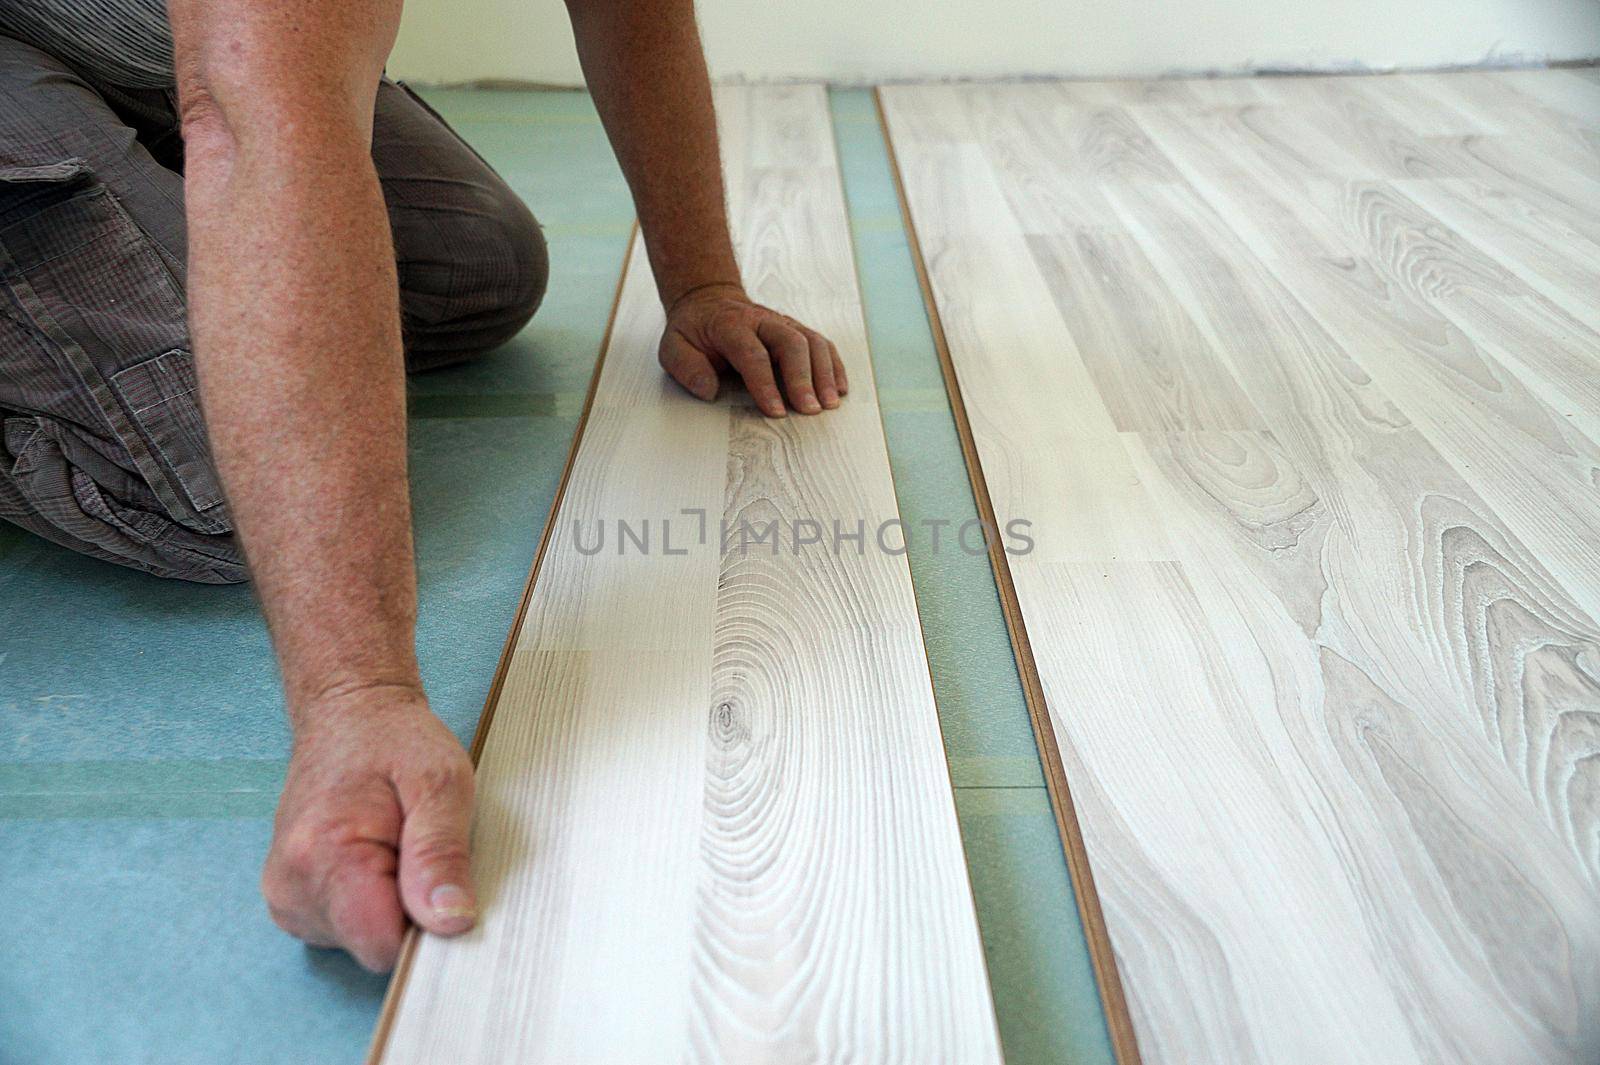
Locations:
(1560, 90)
(1151, 371)
(1347, 128)
(972, 232)
(1548, 135)
(1497, 308)
(1335, 754)
(1390, 453)
(1559, 187)
(1339, 119)
(1021, 131)
(1468, 855)
(1152, 368)
(1491, 304)
(715, 822)
(1412, 102)
(1537, 245)
(1141, 91)
(1323, 398)
(1497, 433)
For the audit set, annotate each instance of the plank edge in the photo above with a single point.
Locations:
(408, 948)
(1113, 1000)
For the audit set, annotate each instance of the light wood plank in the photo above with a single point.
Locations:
(1553, 257)
(1412, 102)
(1557, 187)
(1384, 632)
(1333, 119)
(1563, 91)
(1336, 754)
(1491, 303)
(1567, 155)
(1150, 364)
(715, 822)
(1499, 434)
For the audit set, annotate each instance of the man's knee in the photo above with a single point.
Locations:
(480, 281)
(519, 263)
(472, 259)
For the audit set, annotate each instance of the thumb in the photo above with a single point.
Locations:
(688, 366)
(435, 869)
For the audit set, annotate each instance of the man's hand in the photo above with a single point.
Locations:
(373, 825)
(717, 327)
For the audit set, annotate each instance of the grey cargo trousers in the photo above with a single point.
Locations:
(102, 445)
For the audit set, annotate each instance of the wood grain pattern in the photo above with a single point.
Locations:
(715, 822)
(1327, 691)
(1385, 311)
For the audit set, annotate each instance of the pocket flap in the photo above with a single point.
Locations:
(45, 173)
(159, 395)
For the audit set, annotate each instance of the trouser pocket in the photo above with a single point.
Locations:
(109, 344)
(56, 481)
(102, 446)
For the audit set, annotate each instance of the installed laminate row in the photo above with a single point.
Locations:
(1298, 381)
(715, 822)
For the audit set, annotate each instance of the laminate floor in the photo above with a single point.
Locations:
(715, 820)
(1298, 382)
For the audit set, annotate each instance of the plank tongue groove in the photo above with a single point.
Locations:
(715, 823)
(1301, 409)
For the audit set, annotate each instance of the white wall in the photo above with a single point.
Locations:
(861, 41)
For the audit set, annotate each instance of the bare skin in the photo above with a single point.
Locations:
(295, 318)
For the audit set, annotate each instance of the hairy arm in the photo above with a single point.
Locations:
(296, 325)
(647, 72)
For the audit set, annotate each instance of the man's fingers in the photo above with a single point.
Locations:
(688, 365)
(746, 354)
(343, 896)
(435, 868)
(793, 356)
(822, 368)
(361, 907)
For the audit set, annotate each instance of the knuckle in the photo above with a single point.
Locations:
(285, 904)
(297, 852)
(444, 778)
(278, 895)
(727, 321)
(362, 863)
(308, 850)
(438, 849)
(286, 917)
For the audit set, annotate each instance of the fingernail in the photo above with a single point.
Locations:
(452, 902)
(704, 387)
(830, 399)
(808, 403)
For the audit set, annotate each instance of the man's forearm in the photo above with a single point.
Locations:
(647, 73)
(295, 313)
(293, 307)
